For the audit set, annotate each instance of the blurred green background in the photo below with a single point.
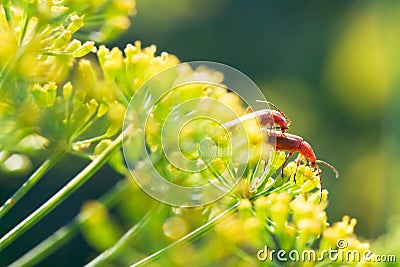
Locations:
(331, 66)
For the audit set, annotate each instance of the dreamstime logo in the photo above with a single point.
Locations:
(341, 254)
(183, 142)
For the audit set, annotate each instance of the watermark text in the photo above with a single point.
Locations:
(308, 255)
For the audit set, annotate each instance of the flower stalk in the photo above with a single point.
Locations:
(67, 232)
(32, 180)
(62, 194)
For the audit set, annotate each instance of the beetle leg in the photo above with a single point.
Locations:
(298, 160)
(248, 110)
(286, 160)
(320, 183)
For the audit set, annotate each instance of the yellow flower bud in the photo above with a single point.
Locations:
(78, 100)
(130, 50)
(45, 95)
(103, 108)
(50, 91)
(175, 227)
(114, 27)
(38, 95)
(76, 23)
(67, 90)
(279, 209)
(309, 185)
(113, 129)
(128, 7)
(231, 229)
(289, 169)
(316, 197)
(113, 63)
(116, 113)
(195, 180)
(73, 46)
(86, 48)
(219, 165)
(102, 52)
(253, 228)
(63, 39)
(245, 204)
(93, 104)
(59, 9)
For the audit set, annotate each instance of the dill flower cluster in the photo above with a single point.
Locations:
(61, 93)
(39, 50)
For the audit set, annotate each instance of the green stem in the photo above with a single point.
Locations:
(94, 20)
(94, 139)
(84, 127)
(24, 27)
(124, 99)
(284, 187)
(121, 243)
(244, 255)
(192, 235)
(7, 12)
(65, 233)
(32, 180)
(55, 53)
(62, 194)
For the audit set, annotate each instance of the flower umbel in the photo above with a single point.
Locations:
(61, 92)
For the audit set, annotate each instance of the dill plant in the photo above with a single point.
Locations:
(61, 93)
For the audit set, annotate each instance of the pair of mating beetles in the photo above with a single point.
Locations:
(285, 141)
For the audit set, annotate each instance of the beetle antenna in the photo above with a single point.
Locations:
(276, 107)
(329, 166)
